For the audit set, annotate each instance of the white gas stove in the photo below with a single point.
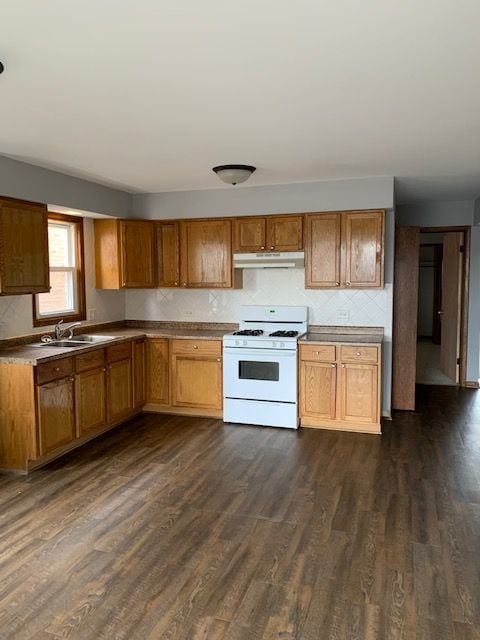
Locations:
(260, 383)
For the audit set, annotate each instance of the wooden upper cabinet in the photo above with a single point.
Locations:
(284, 233)
(249, 235)
(206, 255)
(270, 233)
(124, 254)
(344, 249)
(23, 247)
(168, 254)
(322, 250)
(363, 249)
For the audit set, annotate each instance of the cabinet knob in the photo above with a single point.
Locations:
(262, 247)
(358, 353)
(176, 284)
(271, 248)
(343, 366)
(184, 284)
(337, 284)
(56, 368)
(72, 379)
(104, 368)
(348, 283)
(219, 359)
(333, 365)
(195, 346)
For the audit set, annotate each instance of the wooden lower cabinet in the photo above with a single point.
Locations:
(158, 371)
(185, 377)
(56, 415)
(90, 401)
(139, 374)
(119, 390)
(339, 387)
(318, 384)
(358, 393)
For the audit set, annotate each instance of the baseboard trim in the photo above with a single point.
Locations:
(472, 384)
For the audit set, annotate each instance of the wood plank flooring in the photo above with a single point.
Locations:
(183, 528)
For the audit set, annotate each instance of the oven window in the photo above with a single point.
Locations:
(248, 370)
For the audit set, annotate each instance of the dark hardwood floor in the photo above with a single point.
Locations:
(184, 528)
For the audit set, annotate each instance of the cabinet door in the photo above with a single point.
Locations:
(139, 385)
(137, 253)
(168, 254)
(322, 250)
(285, 233)
(23, 248)
(206, 255)
(358, 390)
(363, 249)
(119, 390)
(90, 400)
(197, 382)
(56, 415)
(249, 235)
(318, 394)
(157, 371)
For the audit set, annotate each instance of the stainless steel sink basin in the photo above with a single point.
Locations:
(93, 339)
(59, 343)
(76, 341)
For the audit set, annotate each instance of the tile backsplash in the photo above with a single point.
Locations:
(264, 286)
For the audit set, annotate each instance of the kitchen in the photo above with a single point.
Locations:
(210, 226)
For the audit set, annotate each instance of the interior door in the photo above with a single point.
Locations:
(451, 304)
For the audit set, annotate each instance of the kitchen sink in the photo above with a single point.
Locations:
(93, 339)
(76, 342)
(59, 343)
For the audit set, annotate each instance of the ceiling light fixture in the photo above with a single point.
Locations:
(234, 173)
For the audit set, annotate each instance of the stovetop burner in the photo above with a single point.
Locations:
(284, 334)
(248, 332)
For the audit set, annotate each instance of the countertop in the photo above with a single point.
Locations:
(26, 354)
(352, 338)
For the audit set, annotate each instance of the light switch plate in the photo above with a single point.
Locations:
(344, 315)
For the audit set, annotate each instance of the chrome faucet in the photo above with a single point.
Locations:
(60, 331)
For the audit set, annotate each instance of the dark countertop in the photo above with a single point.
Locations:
(27, 354)
(352, 338)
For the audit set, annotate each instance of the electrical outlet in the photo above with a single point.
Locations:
(344, 315)
(91, 314)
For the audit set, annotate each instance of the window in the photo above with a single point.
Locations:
(66, 299)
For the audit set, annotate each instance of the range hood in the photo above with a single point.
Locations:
(271, 260)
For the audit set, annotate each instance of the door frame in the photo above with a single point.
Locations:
(406, 362)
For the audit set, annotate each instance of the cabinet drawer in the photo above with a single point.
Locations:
(119, 352)
(320, 352)
(197, 347)
(358, 353)
(90, 360)
(54, 370)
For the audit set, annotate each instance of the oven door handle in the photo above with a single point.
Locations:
(234, 352)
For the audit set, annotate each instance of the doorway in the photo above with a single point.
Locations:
(439, 308)
(430, 310)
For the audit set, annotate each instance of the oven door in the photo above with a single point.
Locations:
(260, 374)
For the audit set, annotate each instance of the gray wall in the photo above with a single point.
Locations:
(290, 198)
(27, 182)
(450, 214)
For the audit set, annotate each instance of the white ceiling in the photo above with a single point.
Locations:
(150, 94)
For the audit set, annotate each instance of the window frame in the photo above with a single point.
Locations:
(78, 275)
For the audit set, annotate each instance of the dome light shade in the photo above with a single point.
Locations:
(234, 173)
